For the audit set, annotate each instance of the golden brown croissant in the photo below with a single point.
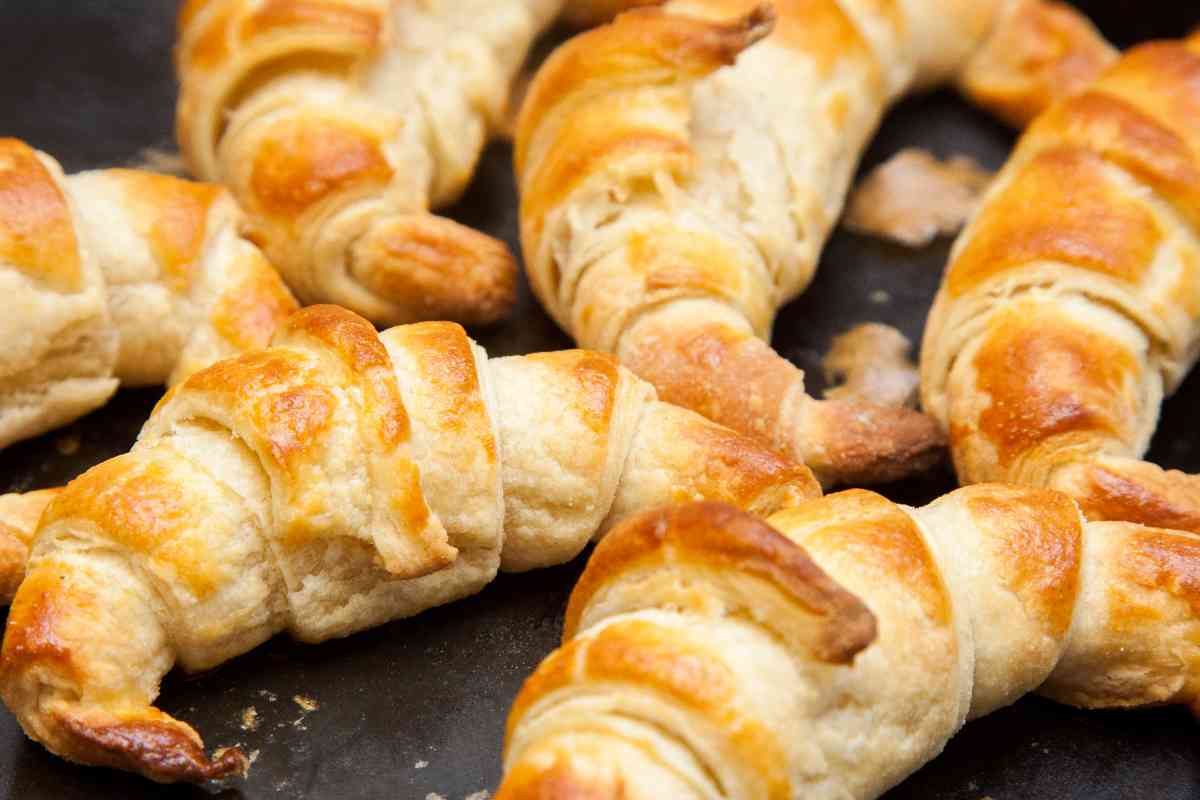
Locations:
(670, 206)
(706, 655)
(338, 124)
(335, 481)
(1072, 302)
(117, 276)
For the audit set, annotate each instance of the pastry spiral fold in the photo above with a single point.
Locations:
(117, 277)
(332, 482)
(834, 650)
(1071, 305)
(672, 200)
(338, 124)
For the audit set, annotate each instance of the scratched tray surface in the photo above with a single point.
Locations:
(418, 706)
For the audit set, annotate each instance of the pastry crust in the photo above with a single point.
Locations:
(117, 276)
(1072, 303)
(834, 650)
(332, 482)
(675, 192)
(338, 124)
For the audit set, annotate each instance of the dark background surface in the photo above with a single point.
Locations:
(418, 706)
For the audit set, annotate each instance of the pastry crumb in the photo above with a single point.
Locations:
(434, 796)
(67, 444)
(880, 297)
(254, 755)
(871, 361)
(268, 695)
(421, 764)
(482, 794)
(250, 719)
(914, 197)
(307, 704)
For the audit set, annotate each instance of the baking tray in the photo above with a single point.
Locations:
(418, 706)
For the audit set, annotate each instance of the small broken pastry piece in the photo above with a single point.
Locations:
(913, 197)
(871, 362)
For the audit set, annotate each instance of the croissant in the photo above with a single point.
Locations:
(706, 655)
(337, 124)
(1071, 305)
(117, 276)
(335, 481)
(669, 206)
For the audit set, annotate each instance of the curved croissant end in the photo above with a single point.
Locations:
(149, 742)
(854, 442)
(1037, 53)
(740, 381)
(1135, 491)
(66, 644)
(443, 269)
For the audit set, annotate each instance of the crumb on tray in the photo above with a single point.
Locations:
(250, 719)
(914, 197)
(67, 444)
(307, 704)
(872, 362)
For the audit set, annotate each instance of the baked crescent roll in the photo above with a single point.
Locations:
(707, 656)
(673, 200)
(335, 481)
(338, 124)
(117, 277)
(1071, 305)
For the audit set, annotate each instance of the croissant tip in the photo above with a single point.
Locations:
(761, 18)
(752, 27)
(863, 443)
(436, 268)
(163, 750)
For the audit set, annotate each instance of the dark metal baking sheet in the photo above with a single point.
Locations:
(418, 706)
